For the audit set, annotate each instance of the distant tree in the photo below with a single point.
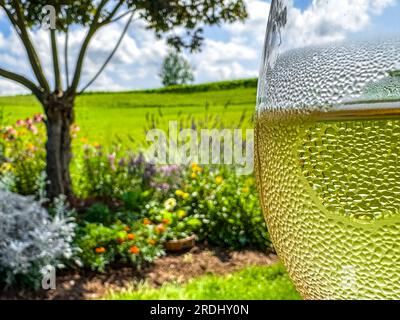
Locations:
(58, 98)
(176, 70)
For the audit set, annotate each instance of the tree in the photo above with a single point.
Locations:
(161, 16)
(175, 70)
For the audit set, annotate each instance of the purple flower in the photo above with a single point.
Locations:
(121, 162)
(168, 170)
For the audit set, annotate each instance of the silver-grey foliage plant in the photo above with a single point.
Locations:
(31, 238)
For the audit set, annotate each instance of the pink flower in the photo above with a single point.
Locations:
(28, 122)
(11, 131)
(33, 129)
(111, 158)
(20, 123)
(38, 118)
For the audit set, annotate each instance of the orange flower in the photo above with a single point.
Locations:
(126, 228)
(146, 221)
(166, 221)
(151, 242)
(160, 228)
(134, 250)
(130, 236)
(100, 250)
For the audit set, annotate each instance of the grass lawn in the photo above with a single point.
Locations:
(251, 283)
(108, 117)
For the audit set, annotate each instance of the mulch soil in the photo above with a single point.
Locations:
(177, 267)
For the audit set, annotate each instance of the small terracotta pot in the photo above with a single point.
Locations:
(180, 244)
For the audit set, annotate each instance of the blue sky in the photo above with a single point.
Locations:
(229, 52)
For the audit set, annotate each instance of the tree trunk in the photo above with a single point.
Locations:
(60, 116)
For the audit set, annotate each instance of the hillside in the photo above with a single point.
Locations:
(104, 117)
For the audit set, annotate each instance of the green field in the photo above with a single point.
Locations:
(109, 117)
(251, 283)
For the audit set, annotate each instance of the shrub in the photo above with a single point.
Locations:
(102, 245)
(30, 238)
(110, 175)
(98, 212)
(23, 153)
(227, 206)
(172, 218)
(211, 86)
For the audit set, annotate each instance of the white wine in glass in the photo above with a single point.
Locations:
(328, 156)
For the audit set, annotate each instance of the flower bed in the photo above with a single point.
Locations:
(132, 207)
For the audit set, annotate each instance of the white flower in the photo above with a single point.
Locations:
(170, 204)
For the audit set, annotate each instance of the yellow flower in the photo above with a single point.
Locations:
(182, 194)
(185, 195)
(193, 175)
(30, 147)
(6, 166)
(196, 168)
(245, 190)
(84, 140)
(218, 180)
(181, 213)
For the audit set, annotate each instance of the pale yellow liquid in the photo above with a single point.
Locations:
(330, 191)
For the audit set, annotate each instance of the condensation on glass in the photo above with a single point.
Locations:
(328, 149)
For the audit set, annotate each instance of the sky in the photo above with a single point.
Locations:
(230, 51)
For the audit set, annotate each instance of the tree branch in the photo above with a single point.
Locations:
(24, 81)
(121, 16)
(19, 25)
(56, 64)
(111, 54)
(66, 56)
(113, 12)
(79, 63)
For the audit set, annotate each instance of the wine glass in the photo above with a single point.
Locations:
(328, 145)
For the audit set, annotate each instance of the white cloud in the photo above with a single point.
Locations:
(326, 21)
